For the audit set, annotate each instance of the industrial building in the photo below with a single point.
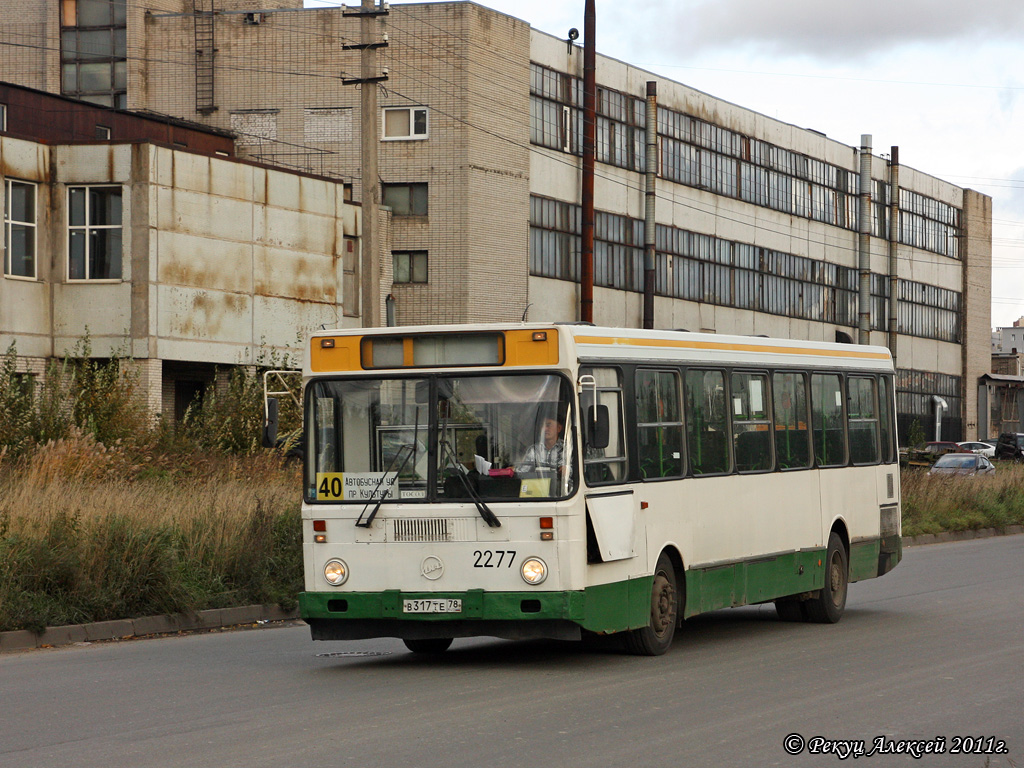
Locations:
(171, 253)
(480, 123)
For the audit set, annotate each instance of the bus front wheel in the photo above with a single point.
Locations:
(428, 645)
(655, 639)
(828, 606)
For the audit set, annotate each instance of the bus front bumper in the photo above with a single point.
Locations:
(512, 615)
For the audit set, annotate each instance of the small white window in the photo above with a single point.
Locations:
(3, 117)
(20, 229)
(94, 233)
(405, 123)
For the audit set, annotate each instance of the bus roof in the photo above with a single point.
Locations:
(589, 344)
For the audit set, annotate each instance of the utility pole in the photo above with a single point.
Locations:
(589, 144)
(369, 142)
(650, 197)
(864, 244)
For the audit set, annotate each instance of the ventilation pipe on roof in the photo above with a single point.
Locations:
(940, 408)
(864, 243)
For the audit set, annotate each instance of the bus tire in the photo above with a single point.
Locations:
(428, 645)
(656, 638)
(790, 609)
(828, 606)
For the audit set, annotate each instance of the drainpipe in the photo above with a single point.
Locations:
(864, 242)
(894, 241)
(649, 200)
(940, 408)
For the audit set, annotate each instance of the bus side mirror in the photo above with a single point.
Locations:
(270, 424)
(597, 426)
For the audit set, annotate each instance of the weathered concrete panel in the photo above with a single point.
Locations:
(299, 276)
(204, 315)
(219, 218)
(197, 261)
(282, 323)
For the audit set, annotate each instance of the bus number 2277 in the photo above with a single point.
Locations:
(489, 558)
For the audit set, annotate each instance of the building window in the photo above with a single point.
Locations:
(94, 233)
(405, 123)
(409, 266)
(20, 229)
(94, 51)
(3, 117)
(102, 133)
(405, 199)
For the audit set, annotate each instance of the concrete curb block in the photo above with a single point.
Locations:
(947, 536)
(216, 618)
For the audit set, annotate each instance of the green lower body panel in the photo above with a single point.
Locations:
(753, 581)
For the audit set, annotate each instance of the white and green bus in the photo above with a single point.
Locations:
(549, 481)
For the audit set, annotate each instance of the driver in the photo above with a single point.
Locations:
(546, 454)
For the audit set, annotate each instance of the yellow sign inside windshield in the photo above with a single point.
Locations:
(355, 486)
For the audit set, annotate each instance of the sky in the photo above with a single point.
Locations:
(942, 80)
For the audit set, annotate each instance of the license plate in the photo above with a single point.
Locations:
(449, 605)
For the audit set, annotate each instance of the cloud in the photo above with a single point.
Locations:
(832, 31)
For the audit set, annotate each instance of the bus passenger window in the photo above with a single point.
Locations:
(862, 419)
(885, 411)
(827, 420)
(751, 423)
(707, 423)
(792, 439)
(659, 424)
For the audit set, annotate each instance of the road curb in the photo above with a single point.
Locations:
(123, 629)
(947, 536)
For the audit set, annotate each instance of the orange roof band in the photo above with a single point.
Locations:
(760, 348)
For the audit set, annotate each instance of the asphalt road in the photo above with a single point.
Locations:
(934, 650)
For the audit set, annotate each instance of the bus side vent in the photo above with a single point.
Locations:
(890, 485)
(427, 529)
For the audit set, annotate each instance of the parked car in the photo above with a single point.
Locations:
(988, 450)
(962, 464)
(1010, 446)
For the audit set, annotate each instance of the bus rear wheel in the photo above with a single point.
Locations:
(428, 645)
(655, 639)
(828, 606)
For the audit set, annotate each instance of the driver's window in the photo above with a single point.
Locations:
(605, 465)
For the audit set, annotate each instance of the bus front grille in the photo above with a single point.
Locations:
(430, 529)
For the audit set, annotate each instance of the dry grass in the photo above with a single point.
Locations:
(88, 533)
(936, 503)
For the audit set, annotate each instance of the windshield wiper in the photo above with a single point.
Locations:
(481, 506)
(409, 449)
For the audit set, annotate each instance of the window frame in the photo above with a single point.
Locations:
(88, 229)
(413, 187)
(412, 135)
(410, 253)
(32, 226)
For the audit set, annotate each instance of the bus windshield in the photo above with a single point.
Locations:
(439, 437)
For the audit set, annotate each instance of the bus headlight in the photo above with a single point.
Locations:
(336, 572)
(534, 570)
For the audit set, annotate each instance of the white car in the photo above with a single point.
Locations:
(982, 449)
